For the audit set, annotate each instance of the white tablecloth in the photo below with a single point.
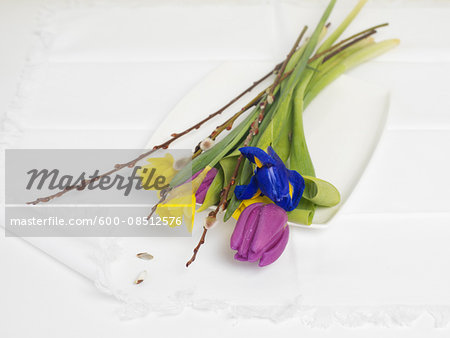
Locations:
(116, 68)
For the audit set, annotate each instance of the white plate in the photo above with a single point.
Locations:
(343, 124)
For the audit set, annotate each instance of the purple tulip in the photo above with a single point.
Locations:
(261, 233)
(200, 194)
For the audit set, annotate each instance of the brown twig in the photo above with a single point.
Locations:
(85, 183)
(333, 49)
(227, 125)
(351, 43)
(254, 129)
(283, 67)
(199, 244)
(340, 43)
(229, 122)
(163, 145)
(175, 136)
(163, 195)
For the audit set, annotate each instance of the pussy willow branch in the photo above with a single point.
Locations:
(280, 77)
(228, 124)
(163, 196)
(175, 136)
(329, 53)
(340, 43)
(333, 49)
(283, 67)
(164, 145)
(351, 43)
(117, 167)
(254, 129)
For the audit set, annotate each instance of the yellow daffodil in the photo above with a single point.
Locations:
(178, 208)
(180, 202)
(158, 173)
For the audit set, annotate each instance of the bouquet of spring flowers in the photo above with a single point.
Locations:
(261, 172)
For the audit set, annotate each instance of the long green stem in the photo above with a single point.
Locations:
(359, 56)
(284, 104)
(300, 158)
(342, 27)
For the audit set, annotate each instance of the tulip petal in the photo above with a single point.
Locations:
(249, 232)
(238, 257)
(271, 223)
(245, 192)
(210, 176)
(261, 155)
(273, 253)
(237, 236)
(193, 177)
(204, 186)
(201, 194)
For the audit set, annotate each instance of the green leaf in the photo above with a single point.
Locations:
(228, 165)
(284, 103)
(320, 192)
(233, 204)
(298, 53)
(282, 143)
(303, 214)
(338, 57)
(342, 27)
(294, 59)
(247, 170)
(296, 75)
(300, 158)
(359, 56)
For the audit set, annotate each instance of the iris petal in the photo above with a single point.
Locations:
(279, 162)
(245, 192)
(284, 187)
(298, 186)
(273, 183)
(252, 152)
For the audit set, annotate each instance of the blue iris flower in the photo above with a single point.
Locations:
(283, 186)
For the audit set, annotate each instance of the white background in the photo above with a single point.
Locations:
(44, 299)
